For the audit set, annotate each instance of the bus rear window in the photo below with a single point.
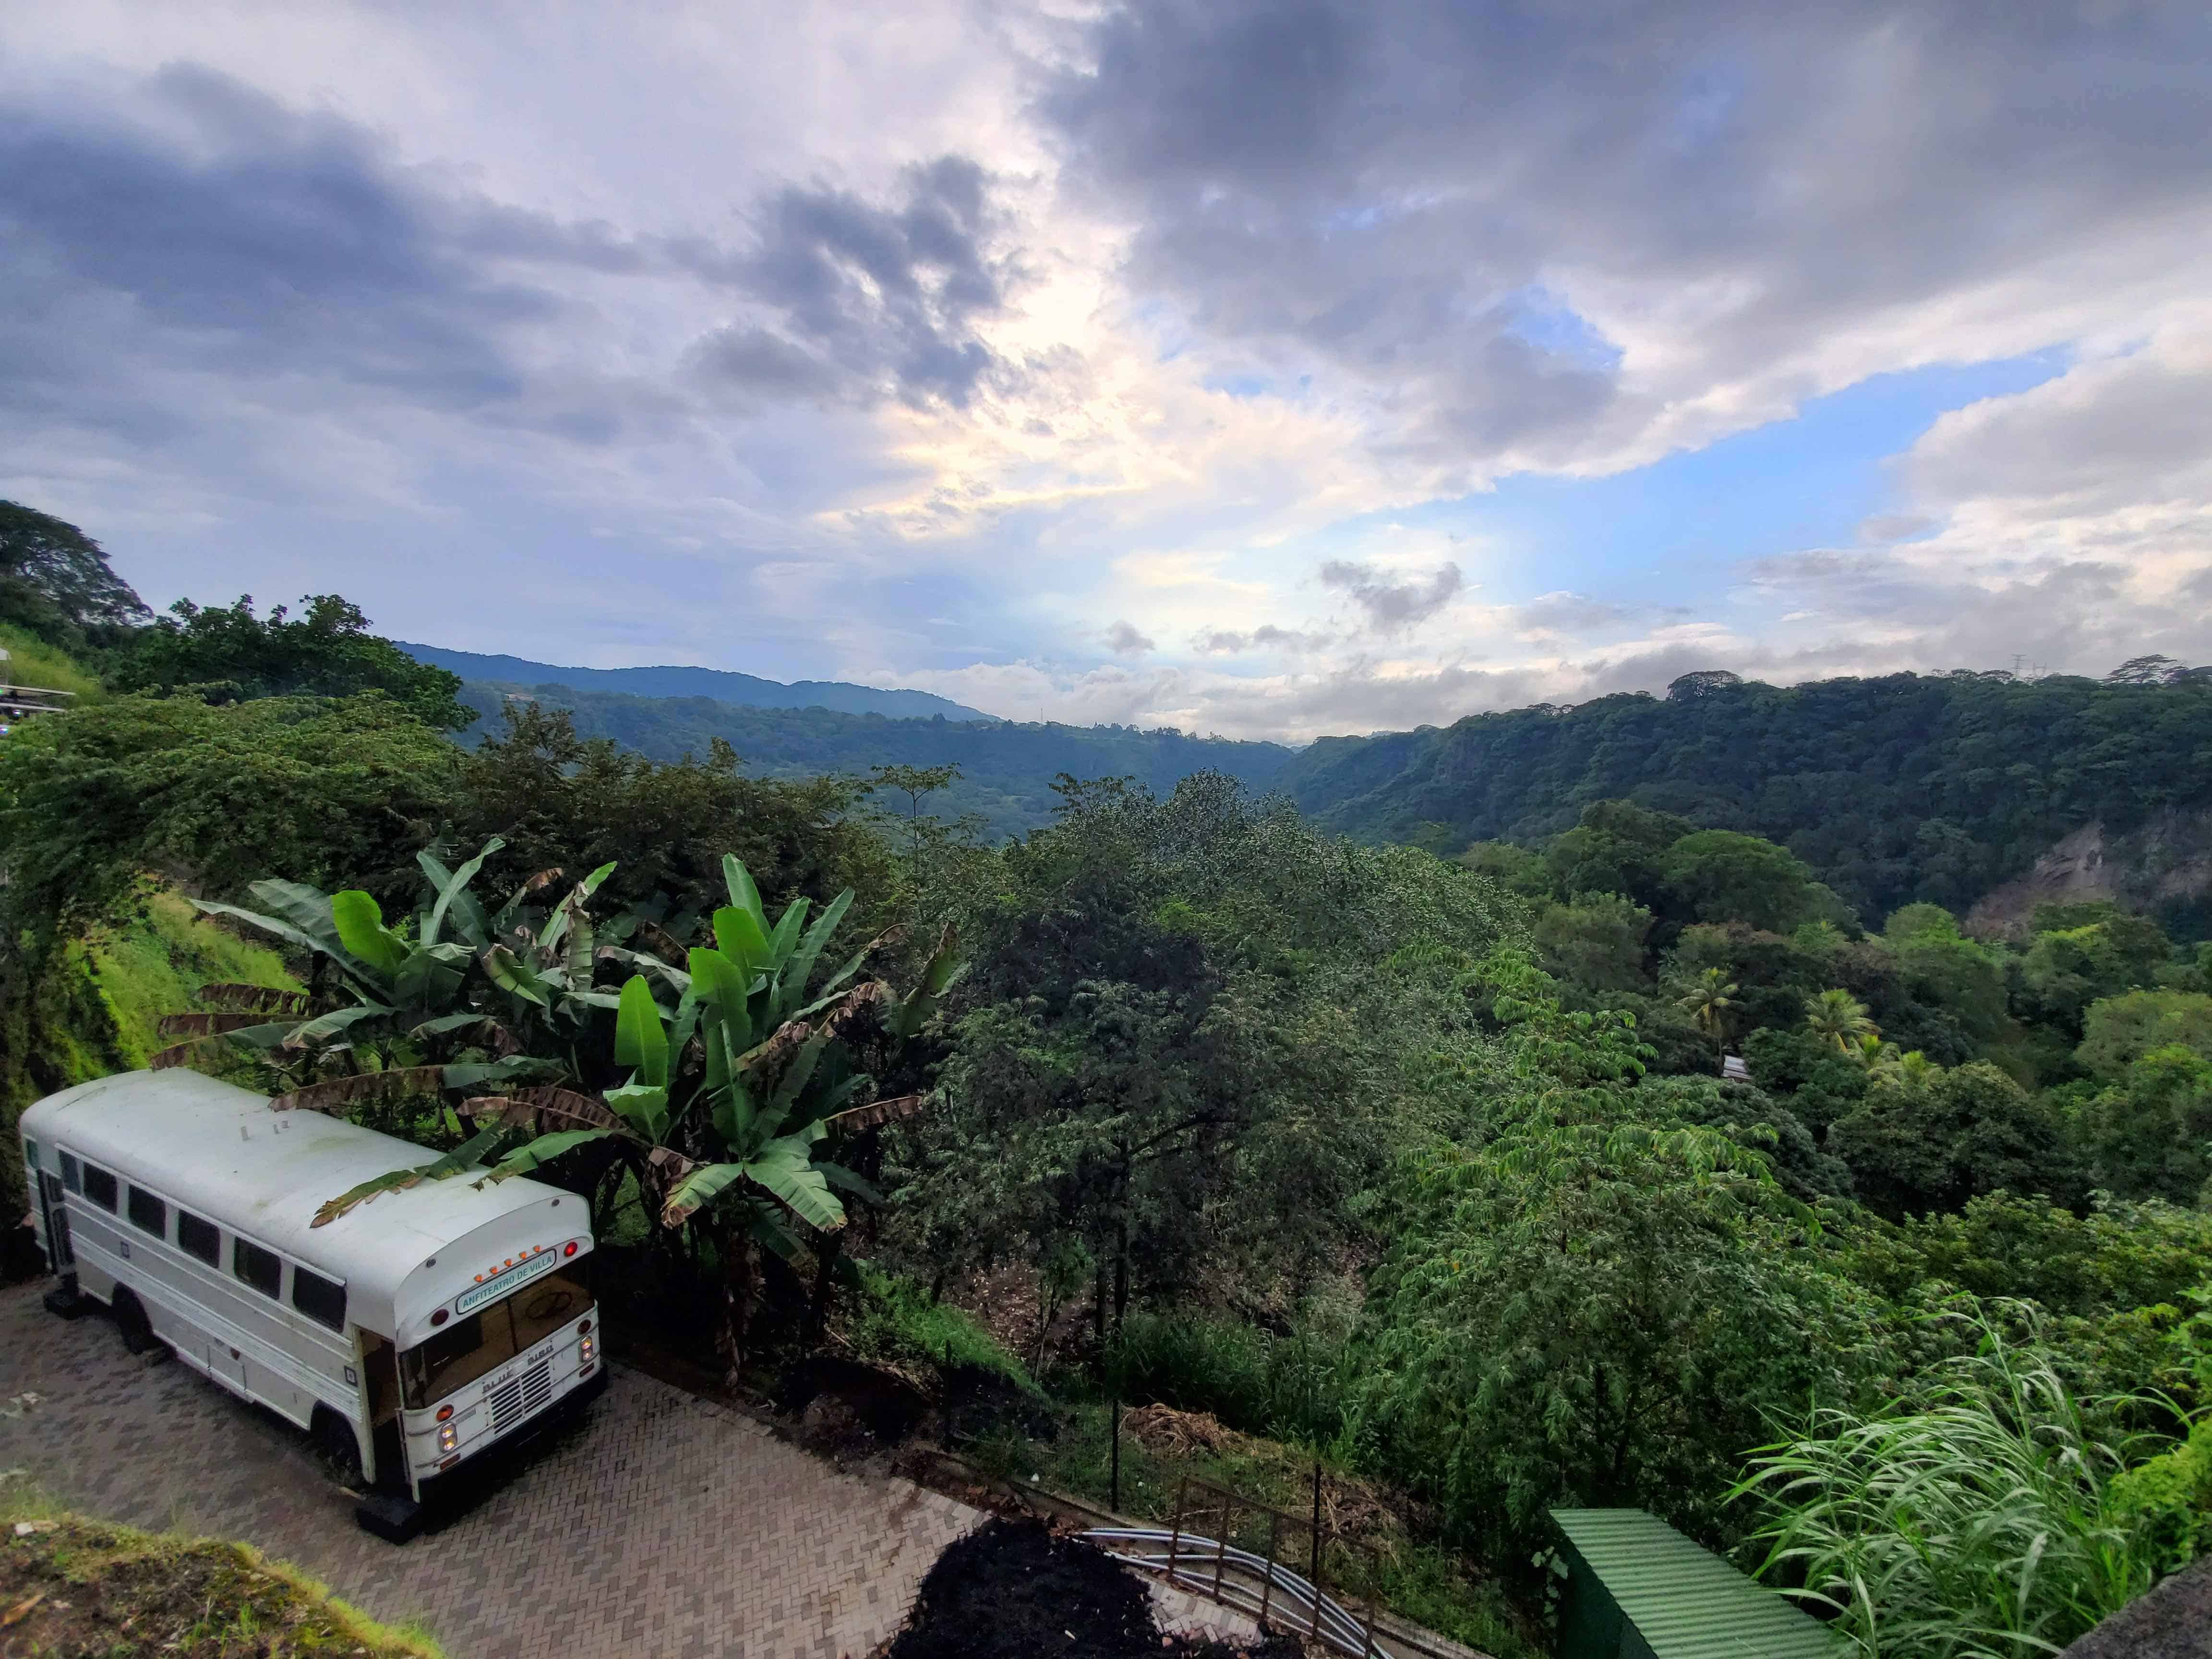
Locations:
(198, 1237)
(261, 1269)
(100, 1187)
(318, 1298)
(148, 1213)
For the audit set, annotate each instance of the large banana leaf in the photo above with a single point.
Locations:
(739, 936)
(313, 1033)
(452, 888)
(430, 975)
(786, 1168)
(724, 988)
(339, 1092)
(808, 952)
(359, 920)
(464, 1156)
(513, 974)
(783, 940)
(742, 893)
(543, 1151)
(944, 967)
(303, 907)
(640, 1040)
(281, 929)
(644, 1106)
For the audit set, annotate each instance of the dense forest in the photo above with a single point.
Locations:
(1613, 1153)
(1907, 788)
(1005, 768)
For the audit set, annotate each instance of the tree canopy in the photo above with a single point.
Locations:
(55, 579)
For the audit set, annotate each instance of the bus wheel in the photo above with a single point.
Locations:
(335, 1444)
(130, 1319)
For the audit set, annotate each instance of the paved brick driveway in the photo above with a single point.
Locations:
(664, 1525)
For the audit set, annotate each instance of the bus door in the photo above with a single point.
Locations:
(380, 1368)
(53, 1210)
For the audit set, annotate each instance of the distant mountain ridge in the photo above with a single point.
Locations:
(746, 690)
(1007, 768)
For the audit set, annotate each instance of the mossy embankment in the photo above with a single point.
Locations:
(70, 1585)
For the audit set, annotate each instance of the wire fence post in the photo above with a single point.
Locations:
(1175, 1539)
(1221, 1550)
(1268, 1583)
(1116, 1478)
(1313, 1565)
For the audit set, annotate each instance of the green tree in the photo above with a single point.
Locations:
(1718, 875)
(1707, 999)
(55, 579)
(226, 653)
(2149, 1134)
(2118, 1032)
(1585, 1313)
(1840, 1020)
(1916, 1144)
(1596, 940)
(322, 790)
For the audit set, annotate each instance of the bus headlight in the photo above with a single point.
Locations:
(587, 1349)
(448, 1437)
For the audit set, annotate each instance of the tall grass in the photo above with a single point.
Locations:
(1291, 1387)
(1976, 1520)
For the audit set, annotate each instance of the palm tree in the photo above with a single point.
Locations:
(1706, 1002)
(1838, 1017)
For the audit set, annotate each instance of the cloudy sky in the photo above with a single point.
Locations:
(1263, 369)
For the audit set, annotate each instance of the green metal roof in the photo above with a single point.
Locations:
(1685, 1601)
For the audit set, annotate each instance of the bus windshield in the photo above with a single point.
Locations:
(489, 1337)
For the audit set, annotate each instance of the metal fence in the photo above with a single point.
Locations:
(1252, 1580)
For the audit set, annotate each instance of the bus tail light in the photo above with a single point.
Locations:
(444, 1411)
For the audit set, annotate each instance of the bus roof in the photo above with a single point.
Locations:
(221, 1151)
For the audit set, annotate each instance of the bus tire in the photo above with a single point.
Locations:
(130, 1319)
(336, 1445)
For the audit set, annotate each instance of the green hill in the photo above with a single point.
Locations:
(1899, 788)
(1007, 768)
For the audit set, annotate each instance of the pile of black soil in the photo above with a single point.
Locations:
(1011, 1590)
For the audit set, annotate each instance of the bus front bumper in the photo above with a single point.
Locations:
(497, 1456)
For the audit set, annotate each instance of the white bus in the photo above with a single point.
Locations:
(414, 1333)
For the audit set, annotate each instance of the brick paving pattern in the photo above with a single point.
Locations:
(663, 1524)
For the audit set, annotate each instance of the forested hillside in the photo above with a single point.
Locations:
(1007, 768)
(1906, 788)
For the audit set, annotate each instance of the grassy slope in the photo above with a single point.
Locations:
(98, 1012)
(72, 1585)
(32, 661)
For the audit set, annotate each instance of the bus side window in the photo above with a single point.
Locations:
(263, 1269)
(100, 1187)
(198, 1237)
(148, 1213)
(318, 1298)
(72, 1173)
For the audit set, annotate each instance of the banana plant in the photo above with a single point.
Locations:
(408, 989)
(732, 1097)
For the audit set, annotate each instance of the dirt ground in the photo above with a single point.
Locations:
(1013, 1590)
